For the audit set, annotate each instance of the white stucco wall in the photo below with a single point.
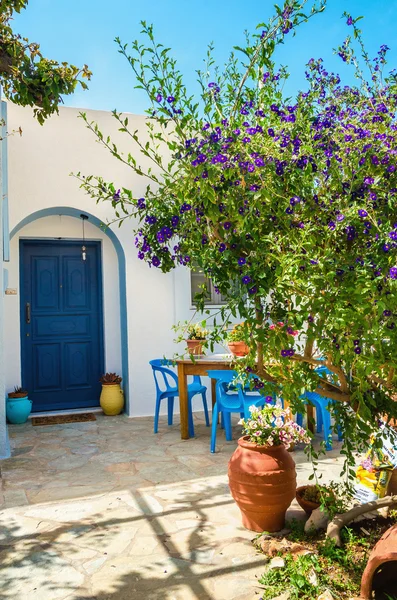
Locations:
(40, 163)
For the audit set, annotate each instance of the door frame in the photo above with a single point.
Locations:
(54, 242)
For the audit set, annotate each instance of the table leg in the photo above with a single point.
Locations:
(310, 418)
(183, 402)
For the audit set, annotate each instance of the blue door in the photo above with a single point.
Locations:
(61, 324)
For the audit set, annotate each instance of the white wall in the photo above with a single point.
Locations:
(65, 228)
(40, 163)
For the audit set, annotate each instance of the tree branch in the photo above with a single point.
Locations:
(340, 521)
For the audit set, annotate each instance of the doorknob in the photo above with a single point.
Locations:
(27, 309)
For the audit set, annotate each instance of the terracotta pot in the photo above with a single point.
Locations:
(195, 346)
(307, 505)
(383, 555)
(112, 399)
(238, 348)
(262, 481)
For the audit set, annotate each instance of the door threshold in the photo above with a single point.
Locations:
(73, 411)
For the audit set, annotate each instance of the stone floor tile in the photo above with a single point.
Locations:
(109, 511)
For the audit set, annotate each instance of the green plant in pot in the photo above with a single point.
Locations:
(236, 340)
(18, 406)
(196, 336)
(112, 398)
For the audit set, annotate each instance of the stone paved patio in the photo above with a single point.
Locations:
(105, 510)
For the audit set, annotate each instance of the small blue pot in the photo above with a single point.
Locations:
(18, 410)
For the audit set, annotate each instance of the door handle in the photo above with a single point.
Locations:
(27, 313)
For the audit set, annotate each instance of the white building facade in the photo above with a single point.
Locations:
(51, 325)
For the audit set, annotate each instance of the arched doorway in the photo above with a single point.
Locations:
(74, 213)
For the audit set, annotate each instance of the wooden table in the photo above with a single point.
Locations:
(201, 366)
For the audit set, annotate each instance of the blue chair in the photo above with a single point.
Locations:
(231, 397)
(170, 381)
(321, 404)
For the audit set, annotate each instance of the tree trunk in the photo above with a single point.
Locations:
(338, 522)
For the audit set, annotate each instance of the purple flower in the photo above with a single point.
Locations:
(393, 273)
(247, 279)
(227, 225)
(241, 261)
(357, 350)
(170, 99)
(159, 98)
(141, 203)
(349, 21)
(287, 352)
(222, 247)
(252, 290)
(269, 399)
(340, 217)
(116, 195)
(270, 131)
(387, 313)
(362, 213)
(155, 261)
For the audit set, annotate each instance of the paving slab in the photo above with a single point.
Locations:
(109, 511)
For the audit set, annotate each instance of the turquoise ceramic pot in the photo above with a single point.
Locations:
(18, 410)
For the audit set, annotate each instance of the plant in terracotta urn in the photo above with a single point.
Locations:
(236, 340)
(195, 339)
(262, 475)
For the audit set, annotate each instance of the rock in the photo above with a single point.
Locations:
(274, 547)
(317, 520)
(277, 563)
(313, 579)
(326, 596)
(284, 596)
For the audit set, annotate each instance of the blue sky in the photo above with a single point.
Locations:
(82, 31)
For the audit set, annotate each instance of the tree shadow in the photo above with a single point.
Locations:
(170, 573)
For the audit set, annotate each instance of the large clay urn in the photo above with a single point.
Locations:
(380, 572)
(262, 481)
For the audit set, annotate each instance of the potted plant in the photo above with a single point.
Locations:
(309, 497)
(18, 406)
(196, 335)
(261, 471)
(236, 340)
(112, 398)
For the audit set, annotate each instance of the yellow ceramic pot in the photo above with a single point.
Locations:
(112, 399)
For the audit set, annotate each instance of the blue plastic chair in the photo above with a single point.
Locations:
(170, 381)
(323, 416)
(231, 397)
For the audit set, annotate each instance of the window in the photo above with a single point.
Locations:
(198, 279)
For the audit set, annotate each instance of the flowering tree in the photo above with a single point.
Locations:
(27, 77)
(287, 205)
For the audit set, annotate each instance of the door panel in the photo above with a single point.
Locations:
(45, 287)
(46, 364)
(61, 324)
